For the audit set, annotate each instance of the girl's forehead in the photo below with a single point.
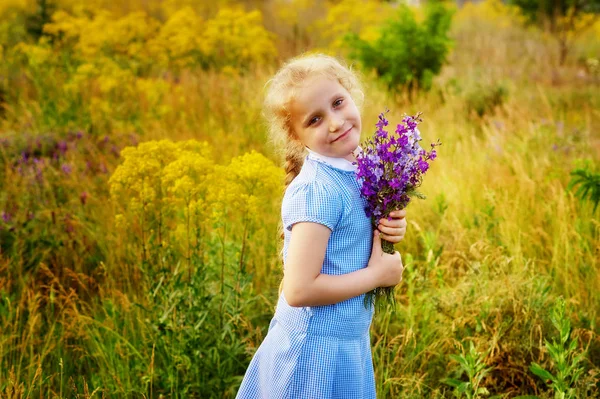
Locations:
(316, 90)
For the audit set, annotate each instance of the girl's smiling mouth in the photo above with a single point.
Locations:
(341, 136)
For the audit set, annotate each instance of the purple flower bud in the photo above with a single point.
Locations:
(69, 228)
(66, 168)
(417, 134)
(62, 147)
(391, 164)
(6, 217)
(400, 129)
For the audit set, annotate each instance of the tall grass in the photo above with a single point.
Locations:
(497, 242)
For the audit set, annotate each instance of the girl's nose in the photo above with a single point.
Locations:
(335, 124)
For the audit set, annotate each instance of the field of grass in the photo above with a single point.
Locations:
(139, 195)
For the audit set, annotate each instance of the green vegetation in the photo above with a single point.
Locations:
(407, 53)
(139, 237)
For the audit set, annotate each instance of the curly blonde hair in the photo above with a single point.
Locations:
(281, 91)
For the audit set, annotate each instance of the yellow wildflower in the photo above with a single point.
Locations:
(237, 38)
(178, 41)
(362, 17)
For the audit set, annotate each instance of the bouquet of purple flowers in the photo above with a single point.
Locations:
(391, 167)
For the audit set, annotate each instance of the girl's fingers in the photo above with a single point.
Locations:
(392, 239)
(392, 231)
(398, 214)
(395, 223)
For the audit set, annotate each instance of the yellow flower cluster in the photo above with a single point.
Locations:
(232, 38)
(121, 60)
(36, 55)
(490, 12)
(237, 38)
(139, 180)
(363, 17)
(178, 181)
(103, 35)
(178, 42)
(249, 181)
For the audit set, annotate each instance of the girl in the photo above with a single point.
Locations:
(318, 343)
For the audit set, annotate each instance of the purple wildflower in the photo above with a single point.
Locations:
(390, 168)
(6, 217)
(62, 147)
(382, 121)
(66, 168)
(69, 225)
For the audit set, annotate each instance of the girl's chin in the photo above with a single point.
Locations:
(352, 142)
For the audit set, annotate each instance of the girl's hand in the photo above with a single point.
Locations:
(388, 268)
(395, 229)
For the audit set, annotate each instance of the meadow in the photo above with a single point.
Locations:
(140, 200)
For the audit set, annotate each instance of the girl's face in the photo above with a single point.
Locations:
(325, 118)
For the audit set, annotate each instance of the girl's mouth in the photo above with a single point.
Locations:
(341, 136)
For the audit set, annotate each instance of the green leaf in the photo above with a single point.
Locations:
(572, 345)
(419, 194)
(453, 382)
(541, 372)
(460, 360)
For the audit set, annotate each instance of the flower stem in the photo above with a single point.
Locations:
(387, 247)
(382, 296)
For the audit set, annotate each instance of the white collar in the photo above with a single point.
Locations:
(338, 163)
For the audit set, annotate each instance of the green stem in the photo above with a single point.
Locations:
(382, 296)
(387, 247)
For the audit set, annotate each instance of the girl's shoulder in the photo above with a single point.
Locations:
(313, 196)
(312, 188)
(316, 177)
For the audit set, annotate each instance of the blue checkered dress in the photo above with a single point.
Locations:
(320, 351)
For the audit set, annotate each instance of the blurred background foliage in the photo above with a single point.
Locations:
(139, 201)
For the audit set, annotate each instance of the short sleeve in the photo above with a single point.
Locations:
(311, 202)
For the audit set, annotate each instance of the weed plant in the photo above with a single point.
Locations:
(158, 288)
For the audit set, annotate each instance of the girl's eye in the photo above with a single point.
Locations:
(338, 102)
(313, 121)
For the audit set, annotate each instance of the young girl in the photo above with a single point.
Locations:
(318, 343)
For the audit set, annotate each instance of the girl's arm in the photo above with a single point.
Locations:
(303, 283)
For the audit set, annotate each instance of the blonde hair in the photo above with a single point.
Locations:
(281, 91)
